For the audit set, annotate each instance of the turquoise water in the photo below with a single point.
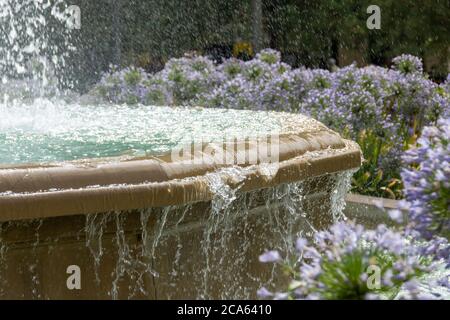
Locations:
(47, 131)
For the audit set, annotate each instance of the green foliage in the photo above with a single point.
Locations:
(370, 179)
(343, 278)
(440, 207)
(132, 77)
(306, 32)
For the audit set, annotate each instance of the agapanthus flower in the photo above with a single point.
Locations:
(427, 181)
(124, 86)
(407, 63)
(349, 262)
(269, 56)
(187, 78)
(270, 256)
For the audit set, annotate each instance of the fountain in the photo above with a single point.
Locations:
(150, 202)
(100, 187)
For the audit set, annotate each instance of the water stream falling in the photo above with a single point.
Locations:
(226, 231)
(154, 252)
(36, 41)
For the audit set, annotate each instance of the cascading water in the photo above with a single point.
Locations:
(226, 235)
(149, 244)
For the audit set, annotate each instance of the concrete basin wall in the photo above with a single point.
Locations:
(161, 256)
(152, 228)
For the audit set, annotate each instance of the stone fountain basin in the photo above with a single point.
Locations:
(49, 212)
(99, 185)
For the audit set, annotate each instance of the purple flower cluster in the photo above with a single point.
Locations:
(132, 86)
(253, 84)
(382, 108)
(407, 63)
(187, 78)
(427, 181)
(122, 86)
(400, 99)
(349, 262)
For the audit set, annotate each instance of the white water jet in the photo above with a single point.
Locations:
(35, 42)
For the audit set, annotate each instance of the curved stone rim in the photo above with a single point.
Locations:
(118, 184)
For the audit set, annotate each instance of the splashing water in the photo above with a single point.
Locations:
(154, 252)
(35, 42)
(49, 131)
